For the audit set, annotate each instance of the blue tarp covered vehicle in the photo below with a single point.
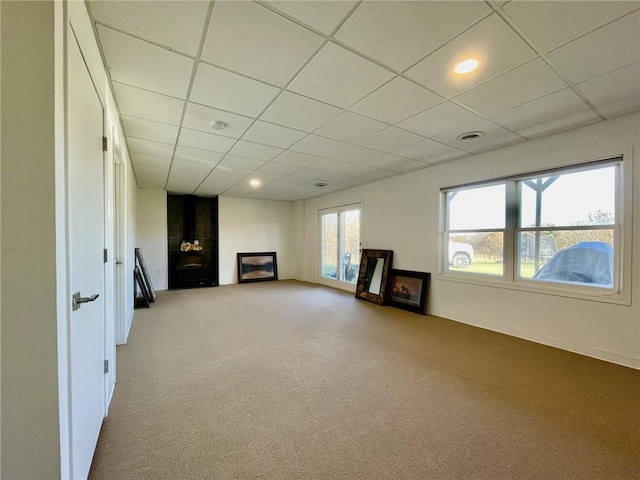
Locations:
(585, 262)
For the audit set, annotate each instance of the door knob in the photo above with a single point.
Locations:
(77, 300)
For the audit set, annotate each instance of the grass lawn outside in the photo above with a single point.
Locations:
(527, 270)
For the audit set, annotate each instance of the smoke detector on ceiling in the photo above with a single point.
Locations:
(470, 136)
(217, 125)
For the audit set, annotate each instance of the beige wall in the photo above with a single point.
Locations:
(151, 221)
(29, 369)
(403, 214)
(256, 226)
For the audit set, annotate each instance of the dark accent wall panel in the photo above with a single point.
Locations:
(191, 218)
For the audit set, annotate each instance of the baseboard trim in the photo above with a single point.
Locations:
(586, 350)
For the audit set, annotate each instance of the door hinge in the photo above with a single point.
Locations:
(104, 144)
(106, 366)
(105, 255)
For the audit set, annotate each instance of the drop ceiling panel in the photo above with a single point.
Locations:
(370, 173)
(356, 154)
(492, 42)
(270, 48)
(523, 84)
(255, 150)
(396, 101)
(140, 103)
(199, 118)
(299, 112)
(396, 164)
(350, 128)
(608, 48)
(314, 174)
(228, 91)
(547, 25)
(219, 180)
(493, 135)
(182, 185)
(323, 16)
(339, 77)
(386, 124)
(277, 168)
(399, 34)
(613, 86)
(286, 183)
(148, 130)
(236, 162)
(620, 107)
(273, 135)
(151, 181)
(560, 124)
(390, 139)
(205, 141)
(425, 150)
(197, 155)
(151, 148)
(438, 119)
(144, 65)
(320, 146)
(178, 25)
(273, 189)
(151, 163)
(191, 168)
(266, 178)
(558, 104)
(296, 159)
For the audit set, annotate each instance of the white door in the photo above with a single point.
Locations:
(340, 242)
(86, 266)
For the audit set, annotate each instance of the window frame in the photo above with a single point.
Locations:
(620, 293)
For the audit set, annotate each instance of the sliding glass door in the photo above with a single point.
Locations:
(340, 241)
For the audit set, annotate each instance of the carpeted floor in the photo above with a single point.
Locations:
(286, 380)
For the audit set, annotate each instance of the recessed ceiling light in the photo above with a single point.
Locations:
(255, 183)
(217, 125)
(467, 66)
(470, 136)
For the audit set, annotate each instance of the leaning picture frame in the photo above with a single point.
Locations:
(257, 267)
(408, 290)
(373, 275)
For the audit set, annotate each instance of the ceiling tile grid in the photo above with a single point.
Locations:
(348, 92)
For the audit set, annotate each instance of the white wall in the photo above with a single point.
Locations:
(151, 223)
(403, 214)
(256, 226)
(29, 370)
(130, 233)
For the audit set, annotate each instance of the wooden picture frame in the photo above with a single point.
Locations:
(373, 275)
(257, 267)
(145, 275)
(408, 290)
(142, 300)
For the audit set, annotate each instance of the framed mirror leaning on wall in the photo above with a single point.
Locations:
(373, 276)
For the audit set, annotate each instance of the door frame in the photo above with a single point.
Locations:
(119, 251)
(337, 283)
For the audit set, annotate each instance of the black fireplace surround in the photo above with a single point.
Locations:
(192, 219)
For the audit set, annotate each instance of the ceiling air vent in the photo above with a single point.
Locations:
(470, 136)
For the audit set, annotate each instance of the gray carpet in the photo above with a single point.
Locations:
(286, 380)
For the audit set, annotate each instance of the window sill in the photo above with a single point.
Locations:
(592, 294)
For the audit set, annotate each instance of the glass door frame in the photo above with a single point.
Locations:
(337, 282)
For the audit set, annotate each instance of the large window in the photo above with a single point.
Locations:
(557, 228)
(340, 242)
